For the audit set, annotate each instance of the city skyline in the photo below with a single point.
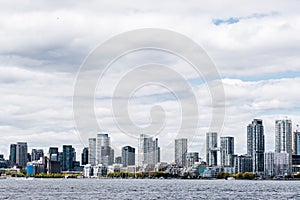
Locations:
(225, 145)
(255, 49)
(105, 140)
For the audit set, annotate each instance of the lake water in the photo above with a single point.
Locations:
(147, 189)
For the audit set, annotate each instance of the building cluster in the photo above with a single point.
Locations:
(98, 159)
(100, 156)
(37, 162)
(283, 161)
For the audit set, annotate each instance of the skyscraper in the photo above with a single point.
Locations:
(227, 151)
(283, 139)
(13, 154)
(92, 151)
(53, 153)
(296, 141)
(128, 156)
(256, 145)
(21, 154)
(104, 152)
(212, 148)
(149, 151)
(180, 151)
(85, 156)
(36, 154)
(68, 157)
(55, 160)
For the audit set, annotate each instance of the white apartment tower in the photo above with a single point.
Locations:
(149, 151)
(283, 138)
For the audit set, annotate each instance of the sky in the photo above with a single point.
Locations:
(253, 44)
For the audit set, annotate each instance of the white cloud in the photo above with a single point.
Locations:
(43, 45)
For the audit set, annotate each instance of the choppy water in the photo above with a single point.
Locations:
(147, 189)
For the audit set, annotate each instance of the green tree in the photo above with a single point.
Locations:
(23, 171)
(248, 175)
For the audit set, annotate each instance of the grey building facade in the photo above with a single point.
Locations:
(227, 151)
(212, 148)
(128, 156)
(181, 149)
(256, 145)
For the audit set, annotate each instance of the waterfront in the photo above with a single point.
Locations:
(147, 189)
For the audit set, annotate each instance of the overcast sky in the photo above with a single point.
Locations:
(254, 45)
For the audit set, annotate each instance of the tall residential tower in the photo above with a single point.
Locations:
(256, 145)
(212, 148)
(149, 151)
(180, 151)
(227, 151)
(283, 139)
(21, 154)
(296, 141)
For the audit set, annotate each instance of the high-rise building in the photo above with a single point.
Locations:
(191, 158)
(54, 160)
(68, 157)
(21, 154)
(36, 154)
(92, 151)
(149, 151)
(256, 145)
(212, 148)
(85, 156)
(227, 151)
(243, 163)
(180, 151)
(283, 139)
(13, 154)
(296, 141)
(53, 153)
(128, 156)
(104, 152)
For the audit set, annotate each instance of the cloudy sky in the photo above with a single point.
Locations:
(254, 45)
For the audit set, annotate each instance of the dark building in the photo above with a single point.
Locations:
(29, 157)
(21, 154)
(128, 156)
(68, 156)
(256, 145)
(296, 163)
(85, 156)
(296, 141)
(227, 151)
(36, 154)
(243, 163)
(212, 148)
(54, 154)
(53, 166)
(3, 162)
(118, 160)
(13, 154)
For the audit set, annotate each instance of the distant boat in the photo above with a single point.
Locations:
(230, 178)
